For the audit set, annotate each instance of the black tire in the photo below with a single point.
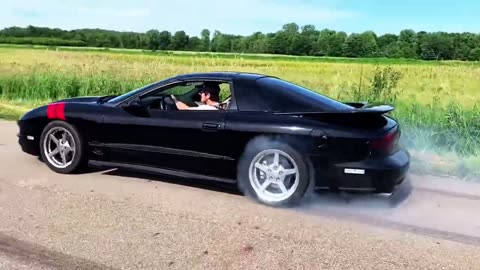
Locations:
(259, 144)
(78, 161)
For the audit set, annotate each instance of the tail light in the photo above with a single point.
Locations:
(386, 144)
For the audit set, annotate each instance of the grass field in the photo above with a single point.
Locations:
(436, 102)
(242, 56)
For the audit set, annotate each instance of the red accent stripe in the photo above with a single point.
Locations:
(56, 111)
(51, 111)
(60, 108)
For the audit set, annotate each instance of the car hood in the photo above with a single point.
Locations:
(80, 100)
(87, 99)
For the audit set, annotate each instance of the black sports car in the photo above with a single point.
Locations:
(274, 139)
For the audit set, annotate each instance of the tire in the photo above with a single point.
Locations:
(74, 140)
(249, 177)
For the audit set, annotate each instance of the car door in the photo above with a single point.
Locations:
(180, 140)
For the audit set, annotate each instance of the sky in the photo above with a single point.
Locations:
(245, 17)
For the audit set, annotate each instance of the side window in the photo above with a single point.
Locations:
(188, 93)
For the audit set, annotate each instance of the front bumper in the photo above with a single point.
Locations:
(28, 144)
(380, 174)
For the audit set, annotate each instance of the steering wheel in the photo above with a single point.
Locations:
(168, 103)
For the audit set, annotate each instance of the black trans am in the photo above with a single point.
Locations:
(274, 139)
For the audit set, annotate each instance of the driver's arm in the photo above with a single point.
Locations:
(181, 105)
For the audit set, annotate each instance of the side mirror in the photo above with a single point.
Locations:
(136, 107)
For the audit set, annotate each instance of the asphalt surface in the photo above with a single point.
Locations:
(118, 220)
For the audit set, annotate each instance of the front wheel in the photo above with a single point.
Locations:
(273, 172)
(61, 147)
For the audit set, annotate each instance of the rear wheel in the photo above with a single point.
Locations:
(273, 172)
(61, 147)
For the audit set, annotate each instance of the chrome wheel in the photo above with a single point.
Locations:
(274, 175)
(59, 147)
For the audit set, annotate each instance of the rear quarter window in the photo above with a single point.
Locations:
(283, 96)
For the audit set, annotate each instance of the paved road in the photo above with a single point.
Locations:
(108, 219)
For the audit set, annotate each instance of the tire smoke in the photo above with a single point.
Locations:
(440, 157)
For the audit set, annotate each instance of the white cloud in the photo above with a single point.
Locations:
(230, 16)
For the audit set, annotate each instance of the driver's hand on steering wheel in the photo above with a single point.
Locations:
(181, 105)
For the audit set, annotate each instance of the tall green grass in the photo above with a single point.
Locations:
(47, 86)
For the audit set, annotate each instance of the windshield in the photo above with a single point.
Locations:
(127, 95)
(124, 96)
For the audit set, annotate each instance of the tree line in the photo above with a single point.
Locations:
(291, 39)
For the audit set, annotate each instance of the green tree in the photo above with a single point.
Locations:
(324, 45)
(221, 42)
(299, 45)
(179, 41)
(205, 39)
(195, 44)
(257, 43)
(164, 40)
(291, 28)
(387, 45)
(337, 43)
(463, 44)
(279, 43)
(360, 45)
(407, 44)
(474, 54)
(436, 46)
(153, 39)
(310, 35)
(369, 44)
(289, 39)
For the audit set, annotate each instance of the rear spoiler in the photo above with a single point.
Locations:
(365, 109)
(357, 104)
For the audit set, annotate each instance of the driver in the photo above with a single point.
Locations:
(209, 96)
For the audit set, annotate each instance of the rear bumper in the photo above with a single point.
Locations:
(374, 174)
(28, 144)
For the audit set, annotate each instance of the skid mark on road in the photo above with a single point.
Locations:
(401, 211)
(450, 193)
(29, 252)
(383, 223)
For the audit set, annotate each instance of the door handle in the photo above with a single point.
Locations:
(210, 126)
